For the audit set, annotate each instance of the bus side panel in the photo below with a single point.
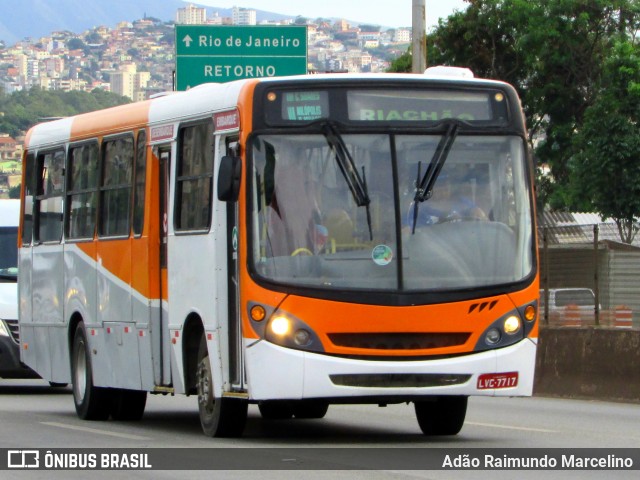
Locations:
(121, 367)
(48, 302)
(80, 292)
(192, 287)
(147, 315)
(25, 312)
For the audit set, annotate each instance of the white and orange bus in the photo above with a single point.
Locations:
(288, 242)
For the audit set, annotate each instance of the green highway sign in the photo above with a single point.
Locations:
(221, 53)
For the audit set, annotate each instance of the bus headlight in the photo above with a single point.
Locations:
(511, 325)
(286, 330)
(492, 336)
(280, 326)
(504, 331)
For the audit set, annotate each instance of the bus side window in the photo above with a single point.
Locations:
(115, 190)
(81, 190)
(140, 172)
(49, 196)
(194, 181)
(29, 199)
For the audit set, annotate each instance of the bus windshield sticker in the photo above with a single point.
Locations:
(382, 255)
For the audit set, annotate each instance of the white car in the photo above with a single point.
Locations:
(10, 365)
(575, 303)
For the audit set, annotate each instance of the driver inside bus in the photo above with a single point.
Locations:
(452, 200)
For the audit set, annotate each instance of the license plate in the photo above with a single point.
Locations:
(497, 380)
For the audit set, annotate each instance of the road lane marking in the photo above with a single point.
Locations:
(95, 430)
(509, 427)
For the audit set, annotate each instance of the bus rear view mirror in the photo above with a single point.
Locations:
(229, 179)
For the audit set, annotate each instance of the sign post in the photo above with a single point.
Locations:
(220, 53)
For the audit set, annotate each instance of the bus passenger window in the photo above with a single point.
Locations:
(140, 180)
(29, 196)
(115, 192)
(49, 199)
(81, 194)
(195, 177)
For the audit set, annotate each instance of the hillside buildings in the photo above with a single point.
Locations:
(137, 59)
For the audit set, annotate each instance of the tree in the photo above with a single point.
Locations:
(14, 192)
(25, 108)
(552, 51)
(402, 64)
(75, 44)
(606, 167)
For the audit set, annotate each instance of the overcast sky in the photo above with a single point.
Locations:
(387, 13)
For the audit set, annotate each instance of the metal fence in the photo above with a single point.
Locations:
(587, 277)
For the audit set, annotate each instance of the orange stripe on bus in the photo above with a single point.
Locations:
(110, 121)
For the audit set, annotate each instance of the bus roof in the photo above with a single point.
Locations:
(199, 101)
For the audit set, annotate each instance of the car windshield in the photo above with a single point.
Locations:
(8, 253)
(311, 226)
(581, 298)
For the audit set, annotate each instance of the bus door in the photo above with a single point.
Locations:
(236, 361)
(161, 344)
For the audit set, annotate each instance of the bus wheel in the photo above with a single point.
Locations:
(443, 415)
(92, 403)
(275, 410)
(219, 417)
(128, 405)
(310, 409)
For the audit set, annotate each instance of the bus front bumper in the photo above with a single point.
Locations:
(277, 373)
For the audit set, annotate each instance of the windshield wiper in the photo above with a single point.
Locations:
(425, 184)
(357, 185)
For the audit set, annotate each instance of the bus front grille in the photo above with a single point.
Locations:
(399, 380)
(399, 341)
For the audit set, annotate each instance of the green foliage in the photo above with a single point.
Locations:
(402, 64)
(76, 44)
(606, 165)
(21, 110)
(555, 52)
(14, 192)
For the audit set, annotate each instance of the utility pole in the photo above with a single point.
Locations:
(419, 30)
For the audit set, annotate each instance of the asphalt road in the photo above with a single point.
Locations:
(34, 415)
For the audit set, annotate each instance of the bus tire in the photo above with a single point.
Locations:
(219, 417)
(91, 402)
(128, 405)
(310, 408)
(276, 410)
(442, 415)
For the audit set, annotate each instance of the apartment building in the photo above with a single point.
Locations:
(243, 16)
(191, 15)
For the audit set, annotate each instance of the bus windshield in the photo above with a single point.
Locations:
(8, 254)
(473, 229)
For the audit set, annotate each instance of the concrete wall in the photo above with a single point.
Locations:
(583, 362)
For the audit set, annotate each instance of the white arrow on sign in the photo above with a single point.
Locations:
(187, 40)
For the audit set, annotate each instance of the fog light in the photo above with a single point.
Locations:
(511, 325)
(280, 325)
(493, 336)
(302, 338)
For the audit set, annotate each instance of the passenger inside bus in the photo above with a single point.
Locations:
(294, 224)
